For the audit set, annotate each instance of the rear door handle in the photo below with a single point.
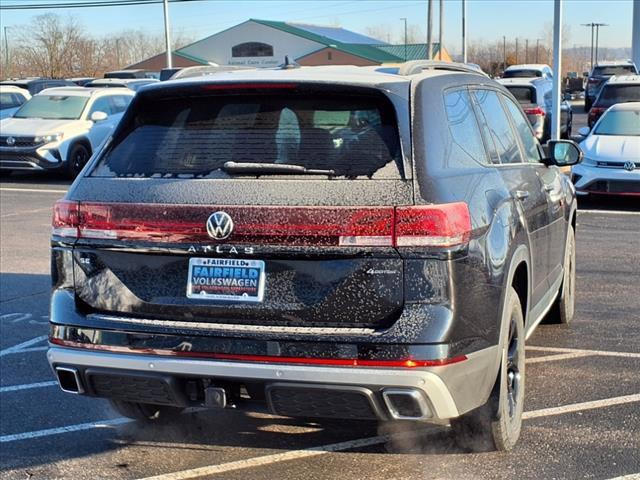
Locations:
(521, 194)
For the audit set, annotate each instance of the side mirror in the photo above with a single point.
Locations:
(584, 131)
(563, 153)
(98, 116)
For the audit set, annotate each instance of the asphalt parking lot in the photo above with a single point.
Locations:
(582, 406)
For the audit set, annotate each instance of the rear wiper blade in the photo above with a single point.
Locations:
(273, 168)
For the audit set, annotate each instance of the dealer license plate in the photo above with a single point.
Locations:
(228, 279)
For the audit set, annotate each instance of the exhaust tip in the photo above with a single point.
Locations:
(69, 380)
(406, 404)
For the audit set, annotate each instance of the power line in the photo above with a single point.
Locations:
(89, 4)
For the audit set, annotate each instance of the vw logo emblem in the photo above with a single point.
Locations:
(11, 141)
(219, 225)
(628, 165)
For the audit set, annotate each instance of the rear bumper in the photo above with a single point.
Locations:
(448, 391)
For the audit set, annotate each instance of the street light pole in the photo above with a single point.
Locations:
(167, 34)
(405, 38)
(598, 25)
(526, 51)
(516, 50)
(504, 53)
(537, 50)
(440, 29)
(429, 29)
(557, 68)
(464, 31)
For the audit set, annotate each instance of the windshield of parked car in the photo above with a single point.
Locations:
(522, 73)
(612, 94)
(613, 70)
(619, 122)
(523, 94)
(349, 135)
(53, 107)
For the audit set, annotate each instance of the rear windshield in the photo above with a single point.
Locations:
(614, 70)
(612, 94)
(523, 94)
(194, 136)
(522, 73)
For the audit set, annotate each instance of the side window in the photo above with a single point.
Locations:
(19, 99)
(498, 126)
(102, 104)
(529, 142)
(119, 103)
(463, 124)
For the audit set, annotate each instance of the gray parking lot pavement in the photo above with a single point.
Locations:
(582, 401)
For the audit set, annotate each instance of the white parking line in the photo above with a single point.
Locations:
(632, 476)
(611, 212)
(27, 386)
(38, 190)
(22, 346)
(559, 356)
(70, 428)
(605, 353)
(579, 407)
(18, 214)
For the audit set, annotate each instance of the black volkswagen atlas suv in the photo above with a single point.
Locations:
(329, 242)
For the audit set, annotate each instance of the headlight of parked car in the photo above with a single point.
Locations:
(54, 137)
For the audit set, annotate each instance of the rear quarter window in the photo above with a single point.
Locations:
(194, 136)
(463, 125)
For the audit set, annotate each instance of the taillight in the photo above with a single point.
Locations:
(445, 225)
(595, 111)
(66, 218)
(534, 111)
(426, 225)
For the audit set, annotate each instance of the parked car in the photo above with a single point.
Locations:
(60, 128)
(139, 73)
(36, 85)
(529, 70)
(131, 83)
(600, 74)
(618, 89)
(330, 242)
(535, 96)
(167, 73)
(11, 98)
(81, 81)
(611, 154)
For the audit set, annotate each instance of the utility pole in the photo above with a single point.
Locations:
(429, 29)
(635, 34)
(516, 50)
(6, 53)
(464, 31)
(557, 68)
(440, 29)
(504, 53)
(167, 34)
(405, 38)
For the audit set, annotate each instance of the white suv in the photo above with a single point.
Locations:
(11, 98)
(60, 128)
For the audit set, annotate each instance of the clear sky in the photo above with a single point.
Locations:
(487, 19)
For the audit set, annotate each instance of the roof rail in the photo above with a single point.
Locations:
(417, 66)
(201, 70)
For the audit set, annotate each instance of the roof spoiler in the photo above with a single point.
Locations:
(418, 66)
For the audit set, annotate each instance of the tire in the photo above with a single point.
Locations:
(496, 425)
(587, 104)
(145, 412)
(564, 307)
(76, 160)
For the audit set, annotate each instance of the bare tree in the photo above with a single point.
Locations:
(48, 47)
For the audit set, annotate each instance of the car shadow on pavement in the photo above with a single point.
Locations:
(601, 202)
